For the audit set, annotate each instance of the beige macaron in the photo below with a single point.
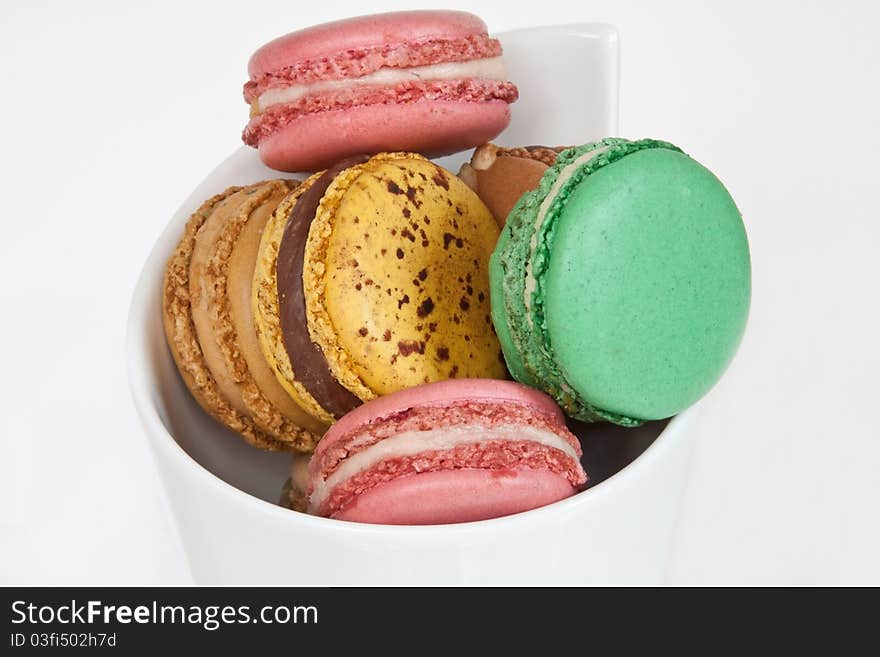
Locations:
(210, 327)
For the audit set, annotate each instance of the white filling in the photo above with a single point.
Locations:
(414, 442)
(491, 68)
(564, 176)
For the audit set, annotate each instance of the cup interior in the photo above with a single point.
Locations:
(573, 102)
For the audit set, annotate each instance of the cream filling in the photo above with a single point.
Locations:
(490, 68)
(563, 177)
(410, 443)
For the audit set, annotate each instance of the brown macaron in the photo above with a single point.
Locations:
(209, 325)
(500, 176)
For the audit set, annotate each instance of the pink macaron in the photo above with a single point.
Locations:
(431, 82)
(452, 451)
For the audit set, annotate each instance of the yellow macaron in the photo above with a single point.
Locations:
(373, 277)
(397, 277)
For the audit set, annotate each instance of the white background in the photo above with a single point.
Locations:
(111, 114)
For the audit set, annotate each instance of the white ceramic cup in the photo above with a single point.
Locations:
(222, 491)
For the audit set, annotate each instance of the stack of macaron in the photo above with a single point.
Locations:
(288, 304)
(366, 316)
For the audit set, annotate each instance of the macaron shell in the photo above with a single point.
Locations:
(431, 127)
(177, 313)
(293, 494)
(397, 285)
(268, 403)
(503, 330)
(501, 186)
(183, 341)
(650, 257)
(392, 29)
(200, 283)
(522, 257)
(264, 305)
(500, 176)
(449, 496)
(308, 359)
(508, 271)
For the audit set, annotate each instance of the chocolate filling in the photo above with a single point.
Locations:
(310, 367)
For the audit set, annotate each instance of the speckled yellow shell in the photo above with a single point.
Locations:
(396, 282)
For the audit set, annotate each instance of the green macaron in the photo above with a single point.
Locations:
(621, 285)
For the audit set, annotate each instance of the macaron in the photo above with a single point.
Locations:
(500, 176)
(446, 452)
(373, 277)
(621, 285)
(293, 493)
(209, 325)
(433, 82)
